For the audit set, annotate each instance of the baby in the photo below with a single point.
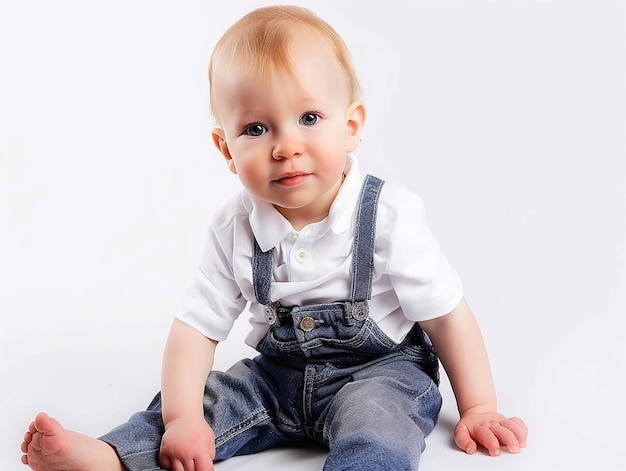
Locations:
(352, 303)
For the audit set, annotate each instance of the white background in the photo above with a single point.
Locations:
(507, 117)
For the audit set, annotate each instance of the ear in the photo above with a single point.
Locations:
(219, 140)
(356, 115)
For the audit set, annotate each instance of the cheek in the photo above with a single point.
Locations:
(250, 169)
(242, 157)
(332, 148)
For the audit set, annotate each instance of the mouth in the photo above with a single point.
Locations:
(292, 179)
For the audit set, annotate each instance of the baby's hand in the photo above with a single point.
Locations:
(490, 430)
(188, 444)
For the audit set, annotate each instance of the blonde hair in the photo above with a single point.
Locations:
(261, 39)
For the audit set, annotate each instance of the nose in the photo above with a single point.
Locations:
(288, 144)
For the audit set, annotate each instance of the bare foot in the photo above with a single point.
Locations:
(49, 447)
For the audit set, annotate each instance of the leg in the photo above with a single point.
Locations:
(250, 417)
(380, 422)
(138, 441)
(239, 405)
(48, 446)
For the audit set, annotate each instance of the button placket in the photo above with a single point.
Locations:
(301, 259)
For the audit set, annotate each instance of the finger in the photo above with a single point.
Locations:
(484, 436)
(520, 430)
(505, 437)
(178, 466)
(164, 460)
(463, 440)
(204, 463)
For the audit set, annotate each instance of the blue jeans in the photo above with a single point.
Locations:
(369, 400)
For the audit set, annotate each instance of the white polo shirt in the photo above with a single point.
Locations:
(412, 280)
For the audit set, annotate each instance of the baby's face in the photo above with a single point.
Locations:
(287, 135)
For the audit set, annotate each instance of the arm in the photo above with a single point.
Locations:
(187, 361)
(459, 344)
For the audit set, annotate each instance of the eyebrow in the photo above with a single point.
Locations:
(247, 116)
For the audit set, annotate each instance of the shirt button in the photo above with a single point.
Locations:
(302, 255)
(293, 236)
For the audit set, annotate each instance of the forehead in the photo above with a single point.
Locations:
(301, 47)
(310, 63)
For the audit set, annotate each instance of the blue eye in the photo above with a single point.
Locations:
(309, 119)
(256, 130)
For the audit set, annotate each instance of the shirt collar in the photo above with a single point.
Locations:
(270, 227)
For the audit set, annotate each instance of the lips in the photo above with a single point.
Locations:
(292, 179)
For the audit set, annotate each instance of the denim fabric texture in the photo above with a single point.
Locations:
(325, 372)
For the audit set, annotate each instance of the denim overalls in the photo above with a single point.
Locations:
(326, 372)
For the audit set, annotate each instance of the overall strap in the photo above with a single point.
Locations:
(364, 237)
(262, 273)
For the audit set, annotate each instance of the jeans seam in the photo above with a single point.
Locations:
(249, 422)
(427, 390)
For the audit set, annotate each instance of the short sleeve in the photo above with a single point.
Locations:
(425, 283)
(214, 301)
